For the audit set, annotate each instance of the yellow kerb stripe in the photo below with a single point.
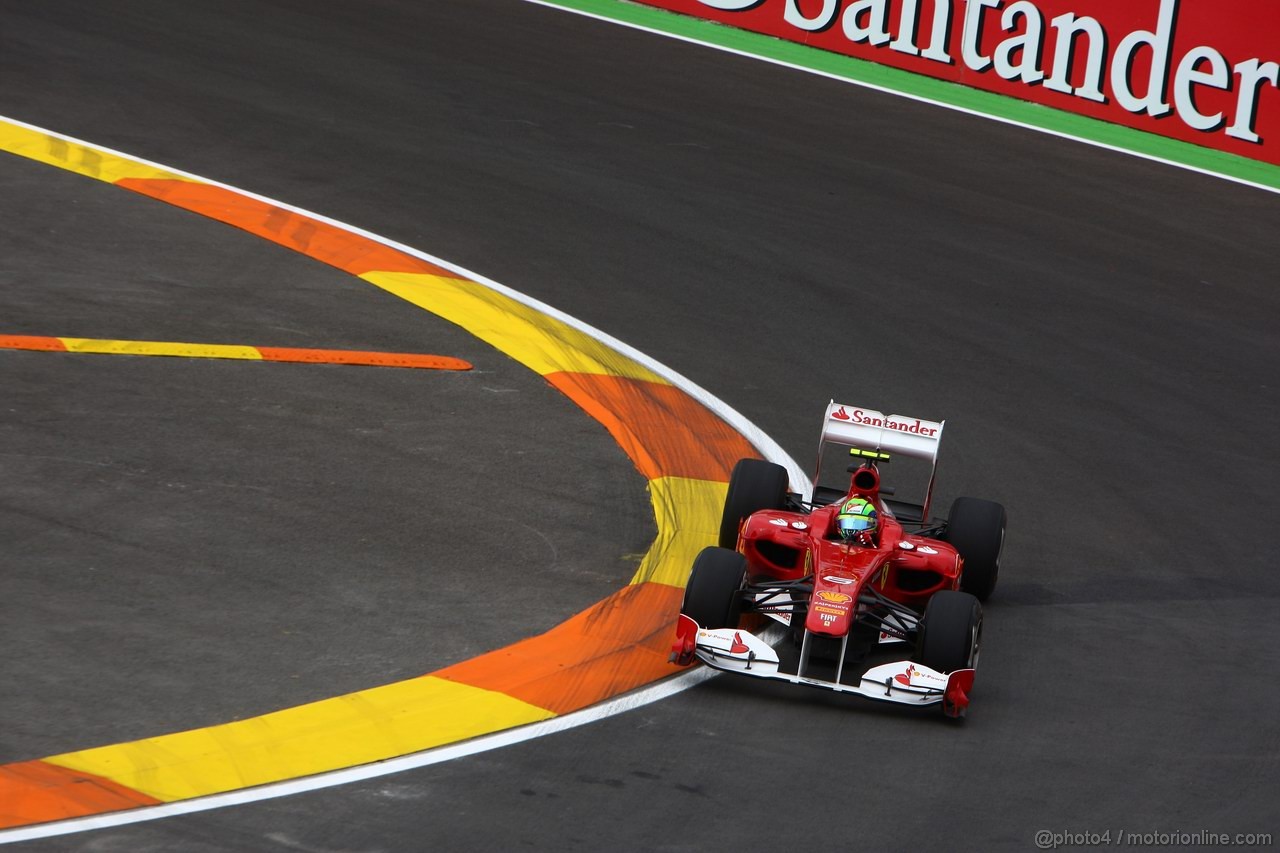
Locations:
(688, 515)
(542, 343)
(359, 728)
(383, 722)
(409, 716)
(91, 345)
(82, 159)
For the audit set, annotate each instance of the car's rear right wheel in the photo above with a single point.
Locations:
(975, 528)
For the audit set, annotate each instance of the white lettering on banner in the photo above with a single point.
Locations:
(908, 25)
(877, 14)
(1026, 46)
(1251, 73)
(793, 16)
(971, 38)
(1161, 46)
(1188, 76)
(1019, 57)
(1068, 27)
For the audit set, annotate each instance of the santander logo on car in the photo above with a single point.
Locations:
(876, 419)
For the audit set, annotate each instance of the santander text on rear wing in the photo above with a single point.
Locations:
(870, 430)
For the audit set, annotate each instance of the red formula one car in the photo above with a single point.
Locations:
(853, 572)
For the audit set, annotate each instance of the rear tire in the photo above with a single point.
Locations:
(711, 596)
(950, 634)
(753, 486)
(975, 528)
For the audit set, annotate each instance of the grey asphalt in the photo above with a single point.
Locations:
(1099, 332)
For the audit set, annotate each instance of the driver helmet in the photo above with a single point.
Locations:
(857, 520)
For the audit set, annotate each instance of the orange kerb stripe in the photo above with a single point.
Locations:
(666, 432)
(35, 792)
(334, 246)
(33, 342)
(617, 645)
(374, 359)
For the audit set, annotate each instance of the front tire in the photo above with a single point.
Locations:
(975, 528)
(711, 597)
(950, 634)
(754, 485)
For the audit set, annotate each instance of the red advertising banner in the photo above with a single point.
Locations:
(1203, 71)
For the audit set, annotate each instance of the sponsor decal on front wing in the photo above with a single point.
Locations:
(735, 643)
(905, 675)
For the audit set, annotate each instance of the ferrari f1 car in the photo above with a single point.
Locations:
(847, 601)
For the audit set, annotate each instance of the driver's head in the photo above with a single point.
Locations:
(857, 521)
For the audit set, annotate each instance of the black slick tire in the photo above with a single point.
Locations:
(975, 528)
(754, 485)
(950, 634)
(711, 596)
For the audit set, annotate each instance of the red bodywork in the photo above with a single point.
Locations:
(903, 567)
(854, 597)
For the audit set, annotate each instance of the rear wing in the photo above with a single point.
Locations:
(867, 429)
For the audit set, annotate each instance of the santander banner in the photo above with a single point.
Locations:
(1203, 71)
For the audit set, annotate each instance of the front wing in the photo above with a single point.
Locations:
(903, 682)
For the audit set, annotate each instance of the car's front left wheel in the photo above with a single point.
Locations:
(712, 596)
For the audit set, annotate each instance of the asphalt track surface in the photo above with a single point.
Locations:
(190, 542)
